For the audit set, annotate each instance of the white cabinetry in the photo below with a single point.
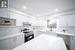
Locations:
(69, 41)
(19, 40)
(7, 44)
(10, 43)
(4, 8)
(72, 43)
(67, 20)
(4, 12)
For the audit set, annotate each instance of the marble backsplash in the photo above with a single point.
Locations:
(67, 29)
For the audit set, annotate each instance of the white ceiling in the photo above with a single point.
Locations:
(42, 7)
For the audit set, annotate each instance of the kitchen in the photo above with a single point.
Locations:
(22, 21)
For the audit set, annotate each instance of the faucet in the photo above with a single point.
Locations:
(64, 30)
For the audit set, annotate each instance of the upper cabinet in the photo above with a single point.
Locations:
(67, 20)
(3, 3)
(4, 8)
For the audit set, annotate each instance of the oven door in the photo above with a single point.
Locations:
(28, 38)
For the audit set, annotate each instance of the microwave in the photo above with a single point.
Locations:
(7, 21)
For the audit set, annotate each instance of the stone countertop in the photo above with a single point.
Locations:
(67, 34)
(10, 36)
(62, 33)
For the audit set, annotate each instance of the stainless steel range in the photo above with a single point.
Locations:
(28, 35)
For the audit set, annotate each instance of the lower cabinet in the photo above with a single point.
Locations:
(69, 41)
(7, 44)
(19, 40)
(72, 43)
(10, 43)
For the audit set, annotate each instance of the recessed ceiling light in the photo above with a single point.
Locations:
(56, 10)
(24, 7)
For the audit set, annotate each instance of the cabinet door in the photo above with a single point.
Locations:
(67, 20)
(72, 43)
(10, 43)
(19, 40)
(67, 40)
(7, 44)
(4, 12)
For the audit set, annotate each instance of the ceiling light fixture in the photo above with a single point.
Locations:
(56, 10)
(24, 7)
